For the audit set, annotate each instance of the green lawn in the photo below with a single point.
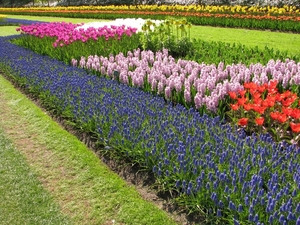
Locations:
(23, 200)
(278, 41)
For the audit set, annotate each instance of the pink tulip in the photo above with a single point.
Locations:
(66, 33)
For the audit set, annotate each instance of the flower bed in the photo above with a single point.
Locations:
(209, 166)
(49, 38)
(187, 82)
(2, 17)
(267, 109)
(274, 18)
(226, 9)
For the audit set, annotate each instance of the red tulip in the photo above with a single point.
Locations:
(256, 95)
(261, 89)
(242, 92)
(242, 101)
(259, 121)
(234, 107)
(247, 107)
(232, 95)
(282, 118)
(243, 121)
(250, 85)
(259, 109)
(295, 127)
(295, 113)
(274, 115)
(287, 111)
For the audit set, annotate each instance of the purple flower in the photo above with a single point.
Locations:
(271, 219)
(219, 213)
(298, 208)
(282, 219)
(240, 208)
(291, 216)
(250, 217)
(236, 222)
(255, 219)
(298, 221)
(247, 200)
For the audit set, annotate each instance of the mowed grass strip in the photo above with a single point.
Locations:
(23, 200)
(8, 30)
(277, 41)
(84, 188)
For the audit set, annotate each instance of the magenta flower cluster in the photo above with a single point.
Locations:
(199, 84)
(67, 33)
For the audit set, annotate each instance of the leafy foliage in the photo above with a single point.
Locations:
(212, 52)
(172, 34)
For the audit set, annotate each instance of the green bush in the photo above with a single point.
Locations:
(171, 34)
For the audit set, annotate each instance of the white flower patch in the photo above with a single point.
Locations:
(129, 22)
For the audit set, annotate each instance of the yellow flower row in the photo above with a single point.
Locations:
(190, 8)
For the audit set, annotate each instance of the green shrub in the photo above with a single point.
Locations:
(171, 34)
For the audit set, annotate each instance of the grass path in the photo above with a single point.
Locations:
(85, 190)
(23, 199)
